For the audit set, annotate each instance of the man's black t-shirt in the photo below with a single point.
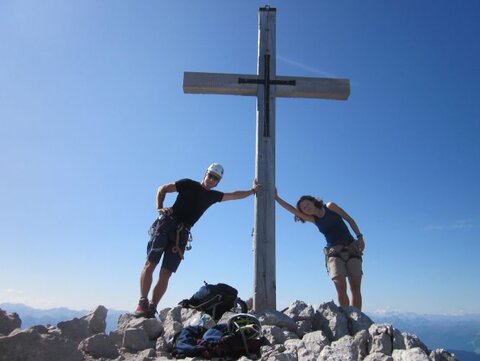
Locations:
(193, 200)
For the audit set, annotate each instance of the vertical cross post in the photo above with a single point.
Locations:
(266, 86)
(264, 296)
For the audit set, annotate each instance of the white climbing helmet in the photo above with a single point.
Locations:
(216, 169)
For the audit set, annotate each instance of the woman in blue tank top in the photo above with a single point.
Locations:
(343, 255)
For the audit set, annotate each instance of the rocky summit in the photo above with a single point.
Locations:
(300, 332)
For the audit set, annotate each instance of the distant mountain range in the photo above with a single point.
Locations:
(459, 334)
(32, 316)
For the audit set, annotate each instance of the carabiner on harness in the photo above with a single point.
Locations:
(189, 241)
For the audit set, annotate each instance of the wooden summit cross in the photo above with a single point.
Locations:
(265, 86)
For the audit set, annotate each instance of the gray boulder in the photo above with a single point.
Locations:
(289, 335)
(151, 326)
(9, 322)
(98, 346)
(381, 338)
(273, 334)
(304, 327)
(413, 354)
(398, 340)
(441, 355)
(378, 356)
(30, 345)
(357, 321)
(344, 349)
(144, 355)
(97, 320)
(86, 326)
(412, 341)
(315, 342)
(276, 318)
(123, 321)
(331, 320)
(362, 338)
(75, 329)
(300, 311)
(136, 339)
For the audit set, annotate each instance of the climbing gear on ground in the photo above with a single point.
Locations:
(216, 342)
(248, 325)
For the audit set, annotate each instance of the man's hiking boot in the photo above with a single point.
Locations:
(152, 311)
(143, 308)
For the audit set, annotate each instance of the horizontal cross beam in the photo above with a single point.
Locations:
(235, 84)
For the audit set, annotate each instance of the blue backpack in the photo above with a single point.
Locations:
(215, 300)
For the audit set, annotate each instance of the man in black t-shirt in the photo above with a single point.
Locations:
(169, 233)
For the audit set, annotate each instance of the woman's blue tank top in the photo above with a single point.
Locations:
(333, 228)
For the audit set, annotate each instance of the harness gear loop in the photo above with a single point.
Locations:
(177, 248)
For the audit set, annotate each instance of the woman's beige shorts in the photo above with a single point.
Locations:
(338, 267)
(344, 264)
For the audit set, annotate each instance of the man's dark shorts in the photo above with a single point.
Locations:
(163, 241)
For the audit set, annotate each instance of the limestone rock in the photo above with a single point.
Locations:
(136, 339)
(276, 318)
(151, 326)
(357, 321)
(412, 341)
(299, 333)
(413, 354)
(361, 338)
(300, 311)
(273, 334)
(75, 329)
(97, 320)
(86, 326)
(8, 322)
(381, 338)
(30, 345)
(331, 320)
(378, 356)
(441, 355)
(398, 340)
(344, 349)
(304, 327)
(315, 342)
(99, 345)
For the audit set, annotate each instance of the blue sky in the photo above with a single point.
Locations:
(93, 119)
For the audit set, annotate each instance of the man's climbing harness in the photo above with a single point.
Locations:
(168, 222)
